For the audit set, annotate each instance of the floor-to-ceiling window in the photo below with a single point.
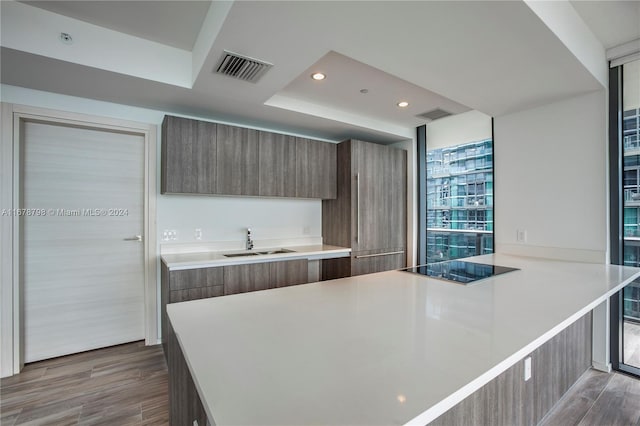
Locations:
(625, 135)
(456, 188)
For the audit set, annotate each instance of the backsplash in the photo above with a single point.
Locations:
(215, 219)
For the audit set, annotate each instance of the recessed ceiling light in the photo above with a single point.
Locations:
(403, 104)
(66, 38)
(318, 76)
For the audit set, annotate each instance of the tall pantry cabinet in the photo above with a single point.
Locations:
(370, 211)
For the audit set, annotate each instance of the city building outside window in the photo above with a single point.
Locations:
(459, 182)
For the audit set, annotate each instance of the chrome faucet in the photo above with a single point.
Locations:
(249, 240)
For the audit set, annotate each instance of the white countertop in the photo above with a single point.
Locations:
(178, 261)
(386, 348)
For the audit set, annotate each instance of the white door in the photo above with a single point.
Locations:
(83, 275)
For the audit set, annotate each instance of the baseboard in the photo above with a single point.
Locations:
(555, 253)
(605, 368)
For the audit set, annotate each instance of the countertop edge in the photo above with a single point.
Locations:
(310, 255)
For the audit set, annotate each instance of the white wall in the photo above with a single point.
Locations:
(457, 129)
(551, 180)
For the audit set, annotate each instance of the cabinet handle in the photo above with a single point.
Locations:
(135, 238)
(357, 207)
(389, 253)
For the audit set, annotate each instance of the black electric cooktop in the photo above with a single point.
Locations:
(460, 271)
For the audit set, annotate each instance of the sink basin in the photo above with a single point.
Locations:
(279, 251)
(239, 254)
(256, 253)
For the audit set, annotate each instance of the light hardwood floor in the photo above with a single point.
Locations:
(119, 385)
(598, 399)
(127, 385)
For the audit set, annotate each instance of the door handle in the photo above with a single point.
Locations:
(134, 238)
(358, 208)
(389, 253)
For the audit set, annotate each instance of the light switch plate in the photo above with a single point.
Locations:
(521, 235)
(527, 368)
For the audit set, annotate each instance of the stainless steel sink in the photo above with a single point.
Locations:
(256, 253)
(279, 251)
(240, 254)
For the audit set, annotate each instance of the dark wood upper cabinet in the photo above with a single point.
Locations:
(200, 157)
(277, 164)
(315, 169)
(238, 166)
(188, 156)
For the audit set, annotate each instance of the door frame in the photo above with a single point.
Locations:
(11, 286)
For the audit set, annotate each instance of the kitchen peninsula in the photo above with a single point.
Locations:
(388, 348)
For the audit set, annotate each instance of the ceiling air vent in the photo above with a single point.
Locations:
(434, 114)
(242, 67)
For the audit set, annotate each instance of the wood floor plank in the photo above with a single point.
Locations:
(577, 402)
(63, 418)
(617, 405)
(9, 417)
(117, 414)
(120, 385)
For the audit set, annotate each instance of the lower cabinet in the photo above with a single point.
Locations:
(366, 262)
(377, 261)
(292, 272)
(263, 276)
(244, 278)
(510, 400)
(201, 283)
(185, 405)
(179, 286)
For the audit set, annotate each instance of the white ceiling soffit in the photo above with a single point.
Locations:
(35, 30)
(495, 57)
(563, 20)
(340, 95)
(174, 23)
(613, 22)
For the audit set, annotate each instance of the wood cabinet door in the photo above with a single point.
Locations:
(289, 272)
(369, 206)
(379, 197)
(237, 161)
(396, 198)
(369, 263)
(189, 153)
(193, 278)
(245, 278)
(315, 169)
(277, 165)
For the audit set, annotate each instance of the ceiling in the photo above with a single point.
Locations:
(495, 57)
(613, 22)
(174, 23)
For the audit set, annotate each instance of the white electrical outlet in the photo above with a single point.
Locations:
(165, 235)
(521, 235)
(198, 234)
(527, 368)
(306, 230)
